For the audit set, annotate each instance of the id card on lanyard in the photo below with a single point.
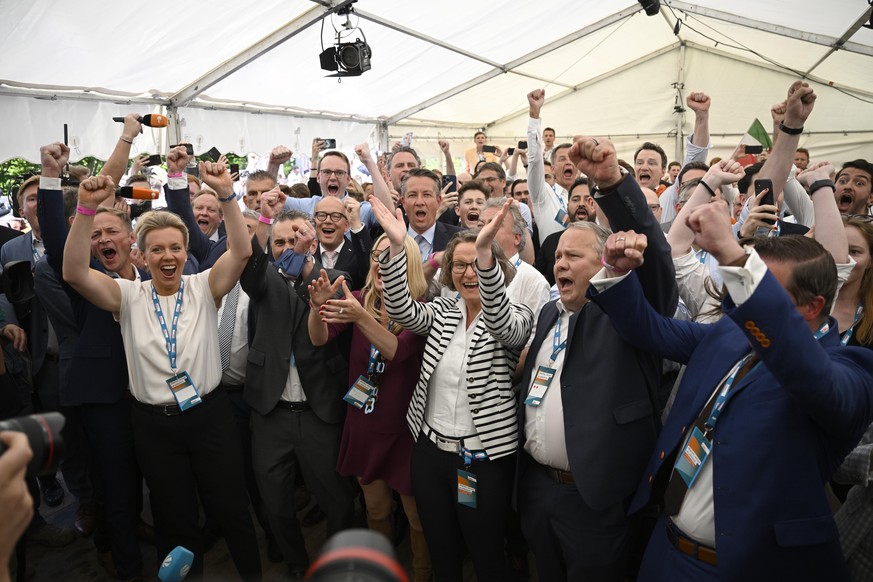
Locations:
(180, 383)
(545, 374)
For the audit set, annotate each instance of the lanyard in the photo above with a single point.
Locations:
(859, 313)
(376, 365)
(709, 425)
(169, 335)
(518, 261)
(557, 344)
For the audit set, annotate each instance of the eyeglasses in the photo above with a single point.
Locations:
(858, 217)
(334, 216)
(376, 254)
(340, 174)
(460, 267)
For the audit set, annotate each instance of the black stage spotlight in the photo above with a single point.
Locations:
(651, 7)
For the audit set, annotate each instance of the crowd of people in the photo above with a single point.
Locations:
(549, 365)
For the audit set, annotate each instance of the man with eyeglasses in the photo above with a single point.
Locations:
(333, 179)
(332, 220)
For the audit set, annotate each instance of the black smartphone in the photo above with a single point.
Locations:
(489, 149)
(188, 148)
(522, 145)
(754, 149)
(329, 143)
(760, 186)
(234, 169)
(453, 180)
(510, 151)
(214, 154)
(154, 160)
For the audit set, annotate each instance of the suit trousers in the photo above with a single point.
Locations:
(570, 540)
(109, 431)
(280, 440)
(196, 453)
(448, 525)
(664, 563)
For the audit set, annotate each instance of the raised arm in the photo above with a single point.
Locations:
(228, 268)
(450, 163)
(50, 203)
(829, 230)
(320, 290)
(680, 236)
(116, 165)
(699, 103)
(798, 106)
(91, 284)
(278, 156)
(178, 197)
(380, 187)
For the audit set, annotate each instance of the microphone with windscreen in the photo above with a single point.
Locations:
(176, 565)
(137, 193)
(152, 120)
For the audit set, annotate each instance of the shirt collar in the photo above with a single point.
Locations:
(428, 234)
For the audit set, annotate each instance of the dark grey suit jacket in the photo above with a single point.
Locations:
(278, 318)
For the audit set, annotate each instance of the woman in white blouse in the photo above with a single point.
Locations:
(463, 412)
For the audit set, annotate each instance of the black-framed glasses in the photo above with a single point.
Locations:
(460, 267)
(376, 254)
(858, 217)
(340, 174)
(334, 216)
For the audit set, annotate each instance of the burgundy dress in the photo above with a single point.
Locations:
(379, 445)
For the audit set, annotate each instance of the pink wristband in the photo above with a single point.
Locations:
(432, 262)
(264, 219)
(609, 267)
(85, 210)
(176, 175)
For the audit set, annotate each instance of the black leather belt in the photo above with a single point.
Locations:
(294, 406)
(172, 409)
(51, 357)
(688, 546)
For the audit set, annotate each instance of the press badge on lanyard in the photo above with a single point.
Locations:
(365, 391)
(180, 383)
(545, 374)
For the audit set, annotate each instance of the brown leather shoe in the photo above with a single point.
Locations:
(85, 520)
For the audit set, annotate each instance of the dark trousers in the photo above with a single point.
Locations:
(664, 563)
(570, 540)
(196, 453)
(448, 525)
(242, 416)
(109, 431)
(281, 439)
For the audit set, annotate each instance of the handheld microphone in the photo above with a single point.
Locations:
(152, 120)
(137, 193)
(176, 565)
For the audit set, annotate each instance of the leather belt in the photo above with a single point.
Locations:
(559, 476)
(52, 357)
(294, 406)
(172, 409)
(449, 444)
(688, 546)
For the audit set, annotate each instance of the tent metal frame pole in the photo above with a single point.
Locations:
(680, 115)
(819, 39)
(508, 67)
(844, 39)
(263, 46)
(449, 47)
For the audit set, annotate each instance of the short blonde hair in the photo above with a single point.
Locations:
(156, 220)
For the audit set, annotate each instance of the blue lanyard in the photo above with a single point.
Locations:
(847, 335)
(709, 425)
(169, 335)
(518, 261)
(557, 344)
(376, 364)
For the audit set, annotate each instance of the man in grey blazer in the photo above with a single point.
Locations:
(855, 517)
(295, 390)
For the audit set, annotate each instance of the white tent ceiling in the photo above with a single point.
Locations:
(244, 78)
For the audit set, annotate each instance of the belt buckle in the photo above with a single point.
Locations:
(171, 410)
(447, 445)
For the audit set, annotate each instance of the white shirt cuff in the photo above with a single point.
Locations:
(46, 183)
(601, 282)
(741, 282)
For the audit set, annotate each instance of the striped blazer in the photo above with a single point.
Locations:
(498, 339)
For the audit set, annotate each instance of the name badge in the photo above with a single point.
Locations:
(184, 391)
(562, 217)
(541, 383)
(359, 393)
(467, 489)
(691, 460)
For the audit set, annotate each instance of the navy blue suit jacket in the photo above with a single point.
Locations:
(784, 429)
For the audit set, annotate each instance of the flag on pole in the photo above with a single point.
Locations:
(757, 135)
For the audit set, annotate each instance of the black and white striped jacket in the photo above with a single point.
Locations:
(500, 335)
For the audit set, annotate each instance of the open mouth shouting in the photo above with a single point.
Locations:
(845, 201)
